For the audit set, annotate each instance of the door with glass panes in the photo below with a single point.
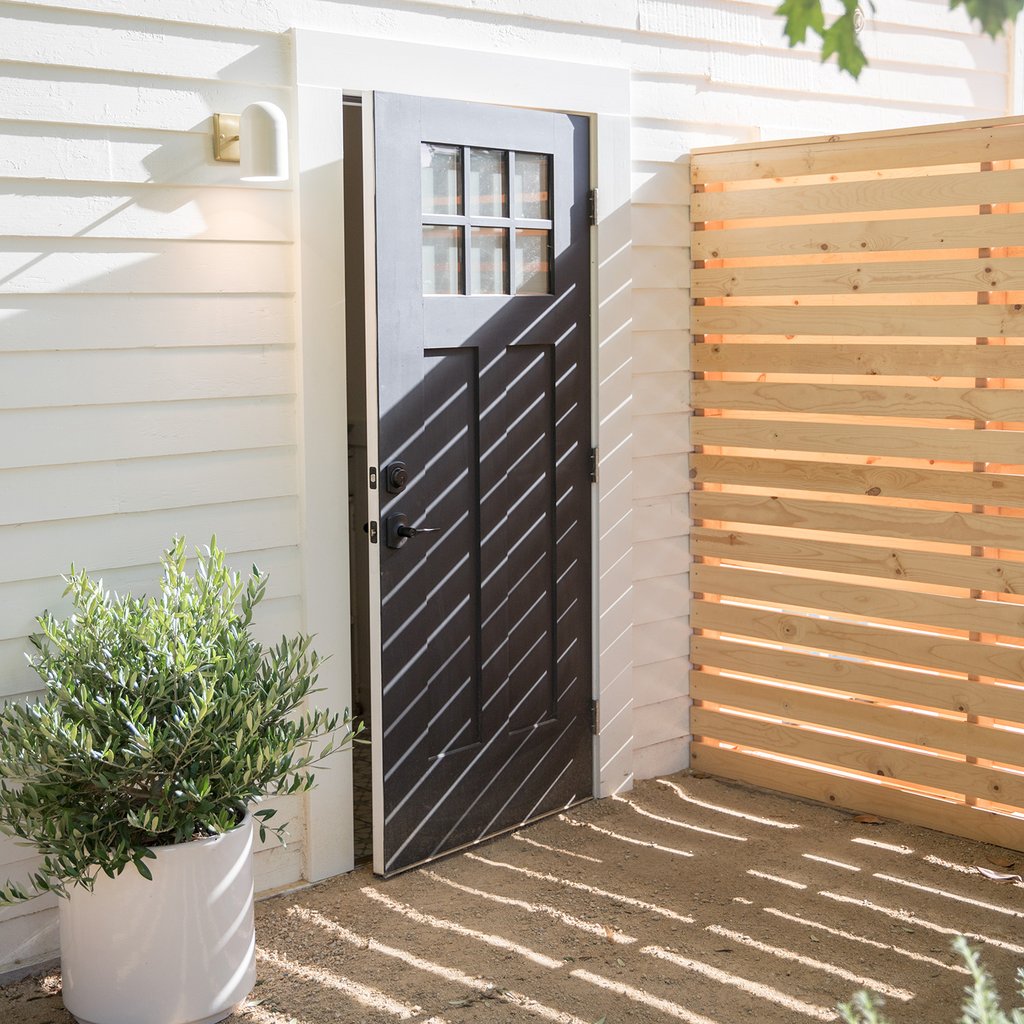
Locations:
(483, 319)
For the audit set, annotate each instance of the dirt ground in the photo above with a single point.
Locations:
(692, 899)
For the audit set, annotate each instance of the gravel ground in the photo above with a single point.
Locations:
(692, 900)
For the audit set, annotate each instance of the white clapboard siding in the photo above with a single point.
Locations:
(59, 95)
(664, 434)
(22, 600)
(124, 239)
(660, 681)
(111, 43)
(81, 152)
(655, 595)
(71, 491)
(51, 437)
(120, 267)
(94, 321)
(54, 379)
(33, 550)
(32, 208)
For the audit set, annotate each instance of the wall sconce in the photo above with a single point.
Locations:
(258, 140)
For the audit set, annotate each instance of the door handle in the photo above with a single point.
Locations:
(397, 530)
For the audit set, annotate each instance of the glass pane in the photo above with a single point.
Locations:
(533, 262)
(488, 183)
(441, 178)
(488, 261)
(442, 260)
(533, 186)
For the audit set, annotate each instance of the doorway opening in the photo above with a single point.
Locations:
(358, 466)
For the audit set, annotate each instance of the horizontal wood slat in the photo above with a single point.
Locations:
(995, 321)
(865, 640)
(918, 234)
(858, 794)
(874, 603)
(955, 403)
(873, 317)
(1004, 274)
(934, 443)
(912, 193)
(842, 478)
(884, 683)
(871, 520)
(996, 575)
(951, 775)
(898, 726)
(905, 359)
(949, 146)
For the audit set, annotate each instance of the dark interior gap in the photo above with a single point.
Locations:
(358, 466)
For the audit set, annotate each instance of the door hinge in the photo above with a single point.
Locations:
(594, 454)
(595, 716)
(592, 206)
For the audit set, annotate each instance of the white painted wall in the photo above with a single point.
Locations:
(148, 360)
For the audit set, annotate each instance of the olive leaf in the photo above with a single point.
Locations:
(162, 720)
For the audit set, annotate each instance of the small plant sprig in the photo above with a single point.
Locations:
(162, 720)
(981, 1005)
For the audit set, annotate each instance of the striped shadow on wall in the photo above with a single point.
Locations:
(859, 472)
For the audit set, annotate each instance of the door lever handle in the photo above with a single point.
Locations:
(415, 531)
(397, 530)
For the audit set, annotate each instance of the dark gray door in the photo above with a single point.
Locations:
(483, 311)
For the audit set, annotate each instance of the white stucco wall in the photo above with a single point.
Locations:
(148, 358)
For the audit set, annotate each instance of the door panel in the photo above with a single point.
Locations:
(483, 312)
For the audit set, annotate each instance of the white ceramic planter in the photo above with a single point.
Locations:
(180, 949)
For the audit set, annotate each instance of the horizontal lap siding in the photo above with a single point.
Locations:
(859, 531)
(107, 191)
(148, 382)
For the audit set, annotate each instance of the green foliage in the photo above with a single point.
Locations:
(841, 37)
(162, 720)
(981, 1004)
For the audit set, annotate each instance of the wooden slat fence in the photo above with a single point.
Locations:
(859, 472)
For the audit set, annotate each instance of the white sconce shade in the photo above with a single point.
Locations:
(263, 143)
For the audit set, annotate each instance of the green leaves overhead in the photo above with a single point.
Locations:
(162, 720)
(991, 15)
(841, 37)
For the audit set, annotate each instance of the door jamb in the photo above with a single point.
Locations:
(327, 65)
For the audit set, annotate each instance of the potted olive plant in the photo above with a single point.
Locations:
(138, 774)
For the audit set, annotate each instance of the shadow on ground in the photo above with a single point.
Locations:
(692, 900)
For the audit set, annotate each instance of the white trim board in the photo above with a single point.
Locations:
(326, 66)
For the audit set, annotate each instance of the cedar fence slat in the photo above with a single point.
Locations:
(945, 444)
(936, 190)
(953, 776)
(859, 549)
(919, 233)
(873, 481)
(909, 360)
(954, 403)
(886, 683)
(1004, 274)
(876, 796)
(970, 528)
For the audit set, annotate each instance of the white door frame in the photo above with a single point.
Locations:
(328, 65)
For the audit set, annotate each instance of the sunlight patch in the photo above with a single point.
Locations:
(555, 849)
(371, 998)
(726, 810)
(819, 965)
(753, 988)
(536, 908)
(451, 926)
(583, 887)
